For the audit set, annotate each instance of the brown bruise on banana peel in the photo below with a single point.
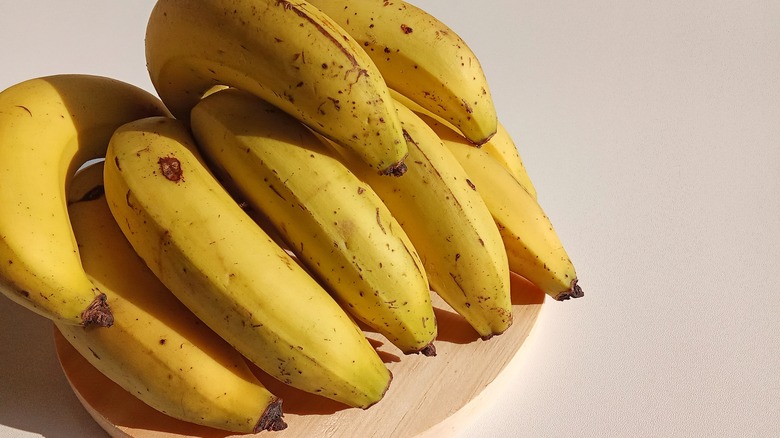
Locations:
(170, 168)
(98, 314)
(272, 418)
(574, 292)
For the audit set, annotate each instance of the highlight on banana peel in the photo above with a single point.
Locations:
(305, 171)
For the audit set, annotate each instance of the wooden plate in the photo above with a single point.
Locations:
(427, 394)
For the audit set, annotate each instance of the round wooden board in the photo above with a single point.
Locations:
(427, 394)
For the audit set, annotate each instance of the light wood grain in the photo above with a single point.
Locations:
(425, 394)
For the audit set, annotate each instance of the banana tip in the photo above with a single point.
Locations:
(429, 350)
(272, 418)
(481, 142)
(397, 169)
(98, 313)
(574, 292)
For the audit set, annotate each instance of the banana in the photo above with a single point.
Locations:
(286, 52)
(49, 127)
(449, 225)
(533, 248)
(500, 146)
(158, 350)
(421, 58)
(227, 271)
(335, 224)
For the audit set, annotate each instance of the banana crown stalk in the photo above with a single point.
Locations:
(227, 271)
(49, 127)
(286, 52)
(157, 349)
(333, 222)
(421, 58)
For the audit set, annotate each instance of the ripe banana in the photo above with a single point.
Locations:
(227, 271)
(157, 349)
(449, 225)
(49, 127)
(533, 248)
(421, 58)
(500, 146)
(334, 223)
(286, 52)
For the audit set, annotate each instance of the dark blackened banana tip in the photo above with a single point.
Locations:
(397, 169)
(98, 314)
(272, 419)
(429, 350)
(574, 292)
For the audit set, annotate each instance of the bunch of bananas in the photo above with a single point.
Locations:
(308, 167)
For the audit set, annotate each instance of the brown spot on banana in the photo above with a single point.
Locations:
(170, 168)
(26, 109)
(379, 221)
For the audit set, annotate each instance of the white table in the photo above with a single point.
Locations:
(652, 133)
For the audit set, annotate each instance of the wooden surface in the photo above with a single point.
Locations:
(427, 396)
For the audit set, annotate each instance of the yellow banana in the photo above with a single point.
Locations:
(503, 149)
(449, 225)
(500, 146)
(227, 271)
(49, 127)
(334, 223)
(158, 350)
(421, 58)
(286, 52)
(533, 248)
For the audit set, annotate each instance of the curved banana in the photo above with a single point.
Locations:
(49, 127)
(334, 223)
(286, 52)
(421, 58)
(449, 225)
(534, 250)
(227, 271)
(158, 350)
(501, 146)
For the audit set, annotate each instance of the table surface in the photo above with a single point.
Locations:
(652, 132)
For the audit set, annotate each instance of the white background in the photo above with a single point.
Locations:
(652, 132)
